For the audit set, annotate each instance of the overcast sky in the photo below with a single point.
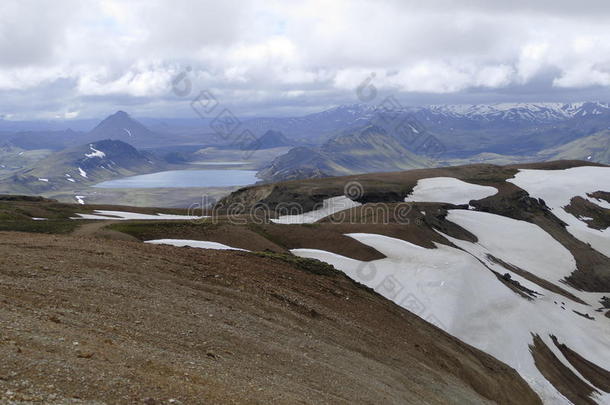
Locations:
(77, 59)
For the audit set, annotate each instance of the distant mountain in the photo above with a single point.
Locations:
(593, 148)
(368, 149)
(464, 130)
(271, 139)
(79, 125)
(82, 165)
(299, 163)
(53, 140)
(121, 126)
(317, 127)
(511, 129)
(518, 112)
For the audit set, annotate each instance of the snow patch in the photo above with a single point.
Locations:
(454, 290)
(123, 216)
(95, 153)
(193, 243)
(558, 187)
(448, 190)
(511, 241)
(329, 207)
(82, 172)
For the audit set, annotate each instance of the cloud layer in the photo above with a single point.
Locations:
(70, 58)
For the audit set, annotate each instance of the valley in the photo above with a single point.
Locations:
(344, 140)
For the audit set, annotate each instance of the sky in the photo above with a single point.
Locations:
(69, 59)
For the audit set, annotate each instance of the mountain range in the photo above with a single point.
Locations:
(444, 135)
(356, 138)
(370, 149)
(81, 165)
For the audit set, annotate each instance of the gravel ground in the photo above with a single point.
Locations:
(86, 320)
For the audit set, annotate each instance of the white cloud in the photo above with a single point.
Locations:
(138, 81)
(277, 50)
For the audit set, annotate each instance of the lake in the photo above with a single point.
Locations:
(185, 178)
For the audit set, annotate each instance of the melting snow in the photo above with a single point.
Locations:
(558, 187)
(82, 172)
(511, 241)
(193, 243)
(330, 206)
(448, 190)
(452, 289)
(45, 180)
(122, 216)
(80, 199)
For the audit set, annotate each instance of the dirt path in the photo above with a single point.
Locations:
(98, 229)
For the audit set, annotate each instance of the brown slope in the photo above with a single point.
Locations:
(122, 322)
(562, 378)
(591, 371)
(374, 187)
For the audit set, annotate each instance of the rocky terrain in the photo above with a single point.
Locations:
(92, 321)
(420, 264)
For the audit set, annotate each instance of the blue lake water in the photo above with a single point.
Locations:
(185, 178)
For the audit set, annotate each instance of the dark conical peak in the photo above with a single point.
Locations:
(119, 125)
(118, 117)
(120, 114)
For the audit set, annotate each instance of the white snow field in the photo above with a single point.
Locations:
(123, 216)
(193, 243)
(454, 289)
(329, 207)
(558, 187)
(517, 242)
(448, 190)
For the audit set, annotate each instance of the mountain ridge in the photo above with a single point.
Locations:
(81, 166)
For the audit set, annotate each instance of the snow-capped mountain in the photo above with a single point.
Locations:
(529, 112)
(511, 131)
